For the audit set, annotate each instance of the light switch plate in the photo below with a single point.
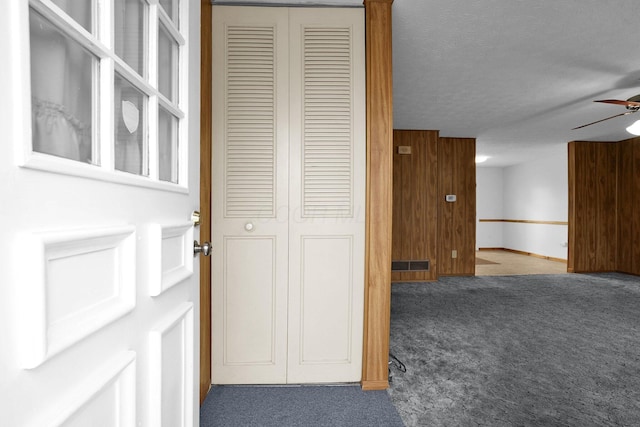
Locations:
(450, 197)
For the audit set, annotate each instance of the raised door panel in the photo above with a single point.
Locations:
(76, 283)
(107, 394)
(172, 368)
(321, 335)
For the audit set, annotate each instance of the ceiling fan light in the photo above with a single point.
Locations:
(634, 129)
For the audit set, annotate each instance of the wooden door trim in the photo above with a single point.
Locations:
(205, 195)
(379, 207)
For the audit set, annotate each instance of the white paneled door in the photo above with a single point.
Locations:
(98, 178)
(288, 194)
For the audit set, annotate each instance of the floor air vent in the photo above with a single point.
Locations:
(422, 265)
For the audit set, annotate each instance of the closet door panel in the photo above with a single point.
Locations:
(250, 193)
(327, 183)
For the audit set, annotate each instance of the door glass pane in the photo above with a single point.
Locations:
(167, 64)
(171, 6)
(130, 40)
(79, 10)
(131, 152)
(168, 146)
(62, 93)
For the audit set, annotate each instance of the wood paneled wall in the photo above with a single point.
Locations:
(425, 225)
(456, 220)
(415, 206)
(628, 219)
(592, 206)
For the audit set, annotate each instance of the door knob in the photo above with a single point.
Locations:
(205, 249)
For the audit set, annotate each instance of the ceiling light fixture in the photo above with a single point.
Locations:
(481, 159)
(634, 129)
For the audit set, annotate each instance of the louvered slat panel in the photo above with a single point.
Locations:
(250, 122)
(327, 134)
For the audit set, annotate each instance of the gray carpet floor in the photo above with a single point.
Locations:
(546, 350)
(302, 406)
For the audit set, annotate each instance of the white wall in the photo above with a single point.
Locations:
(489, 195)
(536, 190)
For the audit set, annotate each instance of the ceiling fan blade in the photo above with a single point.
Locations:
(593, 123)
(620, 102)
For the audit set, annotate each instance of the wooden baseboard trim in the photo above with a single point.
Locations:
(627, 272)
(374, 385)
(515, 251)
(573, 270)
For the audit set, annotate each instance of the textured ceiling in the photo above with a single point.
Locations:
(515, 74)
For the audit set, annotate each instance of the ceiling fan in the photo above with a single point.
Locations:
(632, 105)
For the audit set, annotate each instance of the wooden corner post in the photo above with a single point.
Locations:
(377, 310)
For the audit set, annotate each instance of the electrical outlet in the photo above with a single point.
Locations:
(454, 254)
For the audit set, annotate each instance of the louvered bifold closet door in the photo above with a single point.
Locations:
(250, 192)
(327, 189)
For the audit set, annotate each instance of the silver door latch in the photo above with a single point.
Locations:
(195, 218)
